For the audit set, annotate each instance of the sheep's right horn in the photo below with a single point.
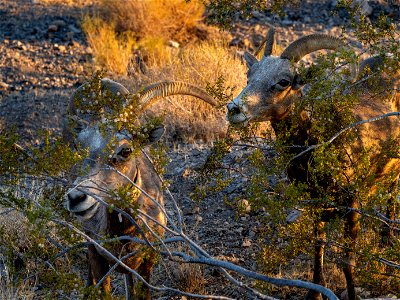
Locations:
(114, 87)
(308, 44)
(373, 63)
(164, 89)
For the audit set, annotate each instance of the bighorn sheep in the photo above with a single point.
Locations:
(272, 90)
(102, 171)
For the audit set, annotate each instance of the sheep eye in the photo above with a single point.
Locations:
(125, 152)
(284, 83)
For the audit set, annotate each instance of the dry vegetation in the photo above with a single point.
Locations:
(132, 39)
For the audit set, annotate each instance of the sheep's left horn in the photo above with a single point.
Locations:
(308, 44)
(164, 89)
(114, 87)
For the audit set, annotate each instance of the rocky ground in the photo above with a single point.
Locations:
(44, 56)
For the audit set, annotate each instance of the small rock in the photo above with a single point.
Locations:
(173, 44)
(199, 219)
(52, 28)
(246, 243)
(244, 206)
(196, 210)
(252, 234)
(59, 23)
(74, 29)
(365, 8)
(21, 46)
(3, 85)
(239, 230)
(60, 48)
(293, 216)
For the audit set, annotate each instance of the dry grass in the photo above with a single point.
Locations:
(186, 277)
(189, 119)
(129, 31)
(71, 3)
(111, 51)
(172, 19)
(12, 290)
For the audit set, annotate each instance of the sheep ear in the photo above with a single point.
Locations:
(156, 134)
(250, 59)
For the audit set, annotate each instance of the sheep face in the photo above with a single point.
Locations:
(271, 84)
(98, 176)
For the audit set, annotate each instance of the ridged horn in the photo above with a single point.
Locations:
(106, 84)
(114, 87)
(307, 44)
(163, 89)
(268, 42)
(318, 41)
(373, 63)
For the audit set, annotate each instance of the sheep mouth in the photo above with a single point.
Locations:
(237, 120)
(87, 213)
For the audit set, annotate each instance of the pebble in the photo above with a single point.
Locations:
(293, 216)
(244, 206)
(246, 243)
(3, 85)
(173, 44)
(59, 23)
(52, 28)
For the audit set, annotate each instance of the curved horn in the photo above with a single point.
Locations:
(307, 44)
(163, 89)
(373, 63)
(114, 87)
(106, 84)
(268, 41)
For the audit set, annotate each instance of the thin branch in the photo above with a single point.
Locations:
(392, 114)
(176, 207)
(251, 274)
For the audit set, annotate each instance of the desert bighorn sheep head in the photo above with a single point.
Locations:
(272, 81)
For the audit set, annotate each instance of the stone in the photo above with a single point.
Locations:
(74, 29)
(246, 243)
(293, 216)
(59, 23)
(173, 44)
(52, 28)
(244, 206)
(4, 86)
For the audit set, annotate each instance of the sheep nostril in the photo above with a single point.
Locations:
(76, 198)
(235, 110)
